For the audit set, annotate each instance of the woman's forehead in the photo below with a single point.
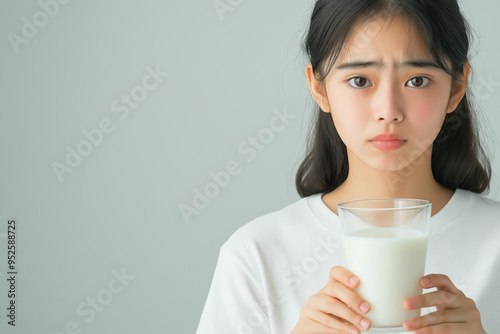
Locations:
(397, 37)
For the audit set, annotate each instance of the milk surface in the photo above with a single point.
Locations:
(389, 262)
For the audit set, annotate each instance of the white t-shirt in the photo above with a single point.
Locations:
(269, 267)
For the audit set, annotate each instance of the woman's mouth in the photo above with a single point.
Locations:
(388, 142)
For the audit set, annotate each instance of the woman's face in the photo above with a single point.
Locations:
(387, 96)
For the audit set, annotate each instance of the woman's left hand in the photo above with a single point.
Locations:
(455, 312)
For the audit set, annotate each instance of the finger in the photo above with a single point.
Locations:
(435, 318)
(441, 299)
(454, 328)
(317, 328)
(327, 323)
(442, 282)
(332, 306)
(349, 297)
(344, 276)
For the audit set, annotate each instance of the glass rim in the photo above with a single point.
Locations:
(424, 204)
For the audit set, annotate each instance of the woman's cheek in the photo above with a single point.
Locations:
(350, 125)
(351, 111)
(430, 113)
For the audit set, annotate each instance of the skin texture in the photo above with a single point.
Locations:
(388, 105)
(387, 96)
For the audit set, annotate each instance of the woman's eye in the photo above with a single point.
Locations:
(418, 82)
(359, 82)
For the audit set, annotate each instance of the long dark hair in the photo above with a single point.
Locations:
(458, 159)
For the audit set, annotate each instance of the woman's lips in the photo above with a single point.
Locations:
(388, 142)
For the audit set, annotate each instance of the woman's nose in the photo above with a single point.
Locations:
(388, 104)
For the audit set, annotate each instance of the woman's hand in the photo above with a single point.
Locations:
(327, 312)
(455, 312)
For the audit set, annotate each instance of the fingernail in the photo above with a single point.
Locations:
(353, 280)
(364, 307)
(425, 281)
(365, 323)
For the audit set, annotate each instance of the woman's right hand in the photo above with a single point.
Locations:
(327, 312)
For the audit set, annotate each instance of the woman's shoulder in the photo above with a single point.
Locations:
(481, 201)
(287, 222)
(472, 207)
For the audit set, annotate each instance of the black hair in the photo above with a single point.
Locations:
(458, 159)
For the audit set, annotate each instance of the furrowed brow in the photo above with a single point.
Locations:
(359, 64)
(419, 63)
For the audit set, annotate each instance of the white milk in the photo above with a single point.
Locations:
(389, 262)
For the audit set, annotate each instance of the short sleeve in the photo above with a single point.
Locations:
(234, 304)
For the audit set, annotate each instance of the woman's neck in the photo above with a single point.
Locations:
(413, 181)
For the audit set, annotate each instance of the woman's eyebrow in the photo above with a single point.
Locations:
(419, 63)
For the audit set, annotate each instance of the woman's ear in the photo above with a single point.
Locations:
(317, 89)
(459, 89)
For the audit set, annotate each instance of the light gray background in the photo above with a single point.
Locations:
(119, 209)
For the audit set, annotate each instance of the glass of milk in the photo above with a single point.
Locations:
(385, 245)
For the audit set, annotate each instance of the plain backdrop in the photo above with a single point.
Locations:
(116, 115)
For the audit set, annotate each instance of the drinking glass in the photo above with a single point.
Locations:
(385, 245)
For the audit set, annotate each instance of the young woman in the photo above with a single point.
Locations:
(394, 119)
